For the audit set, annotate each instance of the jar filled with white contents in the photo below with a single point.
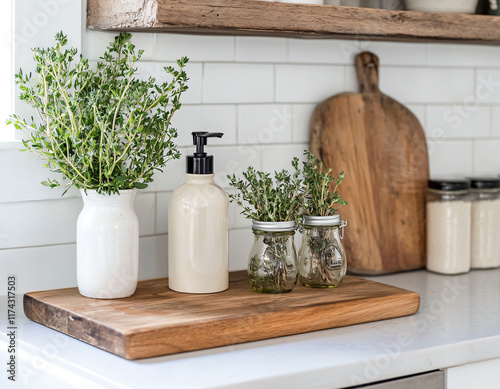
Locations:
(485, 219)
(448, 226)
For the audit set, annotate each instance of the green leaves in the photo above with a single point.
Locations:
(266, 199)
(319, 200)
(280, 199)
(101, 128)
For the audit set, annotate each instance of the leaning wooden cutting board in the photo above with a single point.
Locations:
(157, 321)
(381, 147)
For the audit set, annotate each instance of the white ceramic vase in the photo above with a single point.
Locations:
(107, 242)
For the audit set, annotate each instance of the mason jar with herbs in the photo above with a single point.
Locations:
(448, 226)
(485, 219)
(273, 204)
(272, 263)
(322, 262)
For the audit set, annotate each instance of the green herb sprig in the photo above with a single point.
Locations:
(102, 129)
(320, 201)
(263, 198)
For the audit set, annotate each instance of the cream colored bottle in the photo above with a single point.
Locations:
(198, 227)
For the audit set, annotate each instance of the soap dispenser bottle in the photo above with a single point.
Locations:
(198, 227)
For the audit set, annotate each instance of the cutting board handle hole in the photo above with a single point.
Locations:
(367, 71)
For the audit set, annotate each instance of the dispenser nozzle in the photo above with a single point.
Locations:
(200, 140)
(200, 162)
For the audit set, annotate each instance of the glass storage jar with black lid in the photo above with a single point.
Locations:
(448, 226)
(485, 222)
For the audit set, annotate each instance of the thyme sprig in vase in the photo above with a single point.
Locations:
(105, 131)
(273, 203)
(322, 261)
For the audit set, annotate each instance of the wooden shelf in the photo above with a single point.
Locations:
(249, 17)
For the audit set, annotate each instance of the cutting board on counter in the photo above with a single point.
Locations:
(157, 321)
(381, 146)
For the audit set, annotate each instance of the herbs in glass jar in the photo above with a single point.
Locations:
(101, 128)
(321, 256)
(273, 204)
(265, 199)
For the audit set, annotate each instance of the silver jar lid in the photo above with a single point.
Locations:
(273, 226)
(333, 220)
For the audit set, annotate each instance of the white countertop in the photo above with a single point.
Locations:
(458, 323)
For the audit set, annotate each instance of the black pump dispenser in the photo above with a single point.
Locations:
(200, 162)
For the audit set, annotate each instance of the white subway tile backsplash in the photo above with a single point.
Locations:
(451, 55)
(488, 86)
(449, 157)
(276, 158)
(194, 72)
(308, 83)
(234, 160)
(302, 114)
(322, 51)
(39, 223)
(172, 175)
(171, 47)
(212, 118)
(351, 80)
(487, 156)
(261, 49)
(397, 53)
(419, 112)
(24, 172)
(162, 203)
(236, 219)
(53, 267)
(40, 268)
(427, 85)
(240, 243)
(144, 206)
(458, 121)
(238, 83)
(94, 43)
(259, 123)
(495, 125)
(153, 261)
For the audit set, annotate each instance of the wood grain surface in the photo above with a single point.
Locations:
(157, 321)
(381, 147)
(247, 17)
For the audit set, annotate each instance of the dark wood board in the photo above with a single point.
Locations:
(248, 17)
(381, 146)
(157, 321)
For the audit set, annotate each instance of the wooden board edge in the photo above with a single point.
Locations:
(146, 344)
(397, 289)
(74, 325)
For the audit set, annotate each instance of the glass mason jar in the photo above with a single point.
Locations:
(448, 226)
(272, 264)
(485, 222)
(322, 260)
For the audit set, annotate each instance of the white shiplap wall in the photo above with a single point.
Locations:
(260, 92)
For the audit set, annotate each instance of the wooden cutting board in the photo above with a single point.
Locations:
(381, 147)
(157, 321)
